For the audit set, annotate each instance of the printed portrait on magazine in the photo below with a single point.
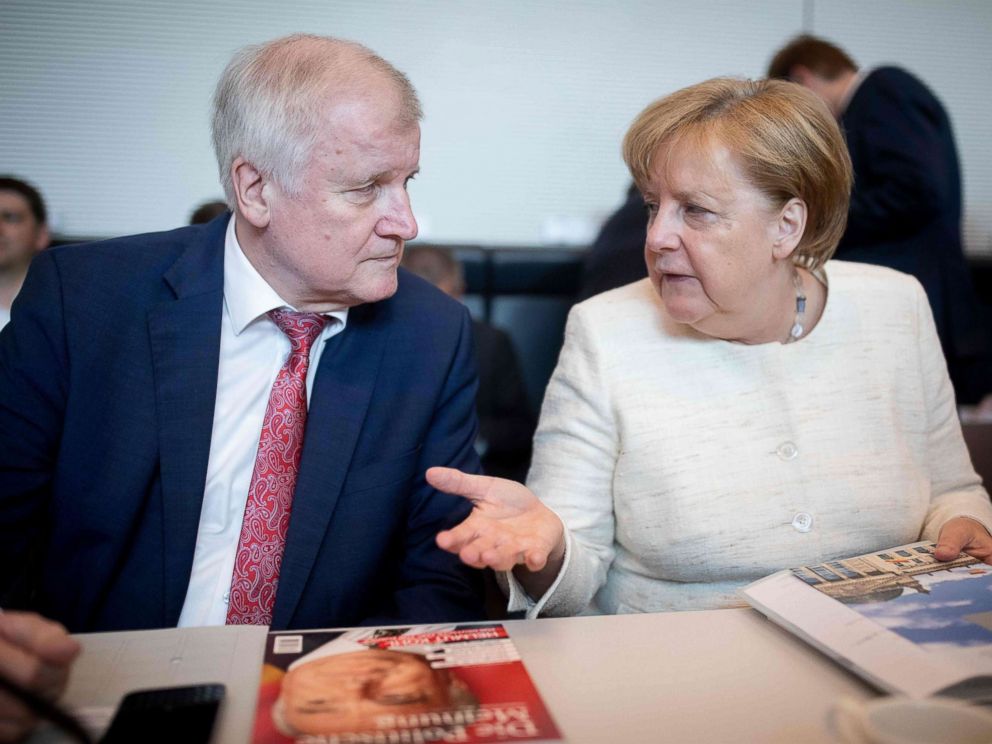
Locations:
(438, 683)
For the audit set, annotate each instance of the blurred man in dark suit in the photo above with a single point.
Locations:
(906, 205)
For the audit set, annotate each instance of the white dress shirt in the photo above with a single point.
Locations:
(252, 351)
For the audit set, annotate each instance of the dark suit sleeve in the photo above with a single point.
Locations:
(33, 374)
(433, 585)
(905, 175)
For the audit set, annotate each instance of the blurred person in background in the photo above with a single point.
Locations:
(906, 203)
(616, 257)
(23, 234)
(506, 423)
(207, 211)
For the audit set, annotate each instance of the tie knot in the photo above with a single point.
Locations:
(302, 328)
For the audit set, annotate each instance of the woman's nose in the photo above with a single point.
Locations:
(663, 232)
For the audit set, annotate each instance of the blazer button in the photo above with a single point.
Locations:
(802, 522)
(787, 450)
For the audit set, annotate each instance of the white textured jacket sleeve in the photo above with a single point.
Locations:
(956, 489)
(575, 450)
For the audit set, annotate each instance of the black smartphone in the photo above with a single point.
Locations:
(166, 714)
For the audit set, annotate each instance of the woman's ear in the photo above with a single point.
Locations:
(789, 228)
(251, 193)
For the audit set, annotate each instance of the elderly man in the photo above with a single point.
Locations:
(23, 233)
(230, 423)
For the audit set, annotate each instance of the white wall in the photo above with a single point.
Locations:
(105, 103)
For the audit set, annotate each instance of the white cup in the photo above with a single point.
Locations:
(901, 720)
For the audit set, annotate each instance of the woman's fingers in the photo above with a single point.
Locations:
(481, 542)
(459, 536)
(449, 480)
(963, 535)
(508, 526)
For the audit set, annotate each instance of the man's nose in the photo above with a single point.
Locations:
(399, 221)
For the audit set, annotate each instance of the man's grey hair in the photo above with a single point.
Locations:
(271, 99)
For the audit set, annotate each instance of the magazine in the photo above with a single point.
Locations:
(424, 683)
(903, 620)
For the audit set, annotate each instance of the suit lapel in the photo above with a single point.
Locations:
(185, 342)
(342, 391)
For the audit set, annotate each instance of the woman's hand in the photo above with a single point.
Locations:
(963, 535)
(509, 526)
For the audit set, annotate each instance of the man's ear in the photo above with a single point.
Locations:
(789, 228)
(801, 74)
(250, 193)
(42, 239)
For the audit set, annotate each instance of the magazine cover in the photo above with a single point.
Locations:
(906, 621)
(425, 683)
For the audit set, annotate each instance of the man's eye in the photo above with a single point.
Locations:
(12, 218)
(363, 194)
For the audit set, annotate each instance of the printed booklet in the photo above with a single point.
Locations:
(425, 683)
(900, 618)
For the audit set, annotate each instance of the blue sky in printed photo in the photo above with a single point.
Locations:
(938, 617)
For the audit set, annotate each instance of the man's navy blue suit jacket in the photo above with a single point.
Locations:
(108, 375)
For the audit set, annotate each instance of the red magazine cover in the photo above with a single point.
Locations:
(424, 683)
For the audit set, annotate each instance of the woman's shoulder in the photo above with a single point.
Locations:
(628, 320)
(877, 283)
(626, 304)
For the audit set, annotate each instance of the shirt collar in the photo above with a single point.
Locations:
(247, 295)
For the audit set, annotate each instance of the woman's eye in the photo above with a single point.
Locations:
(695, 209)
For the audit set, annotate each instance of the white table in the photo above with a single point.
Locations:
(718, 676)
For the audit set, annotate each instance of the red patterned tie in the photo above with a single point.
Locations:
(270, 495)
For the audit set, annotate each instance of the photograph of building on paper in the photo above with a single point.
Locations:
(908, 591)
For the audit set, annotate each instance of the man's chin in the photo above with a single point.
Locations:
(379, 290)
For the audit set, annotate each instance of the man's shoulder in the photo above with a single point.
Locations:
(420, 302)
(896, 81)
(132, 252)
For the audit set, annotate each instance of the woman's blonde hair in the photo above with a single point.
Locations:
(784, 138)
